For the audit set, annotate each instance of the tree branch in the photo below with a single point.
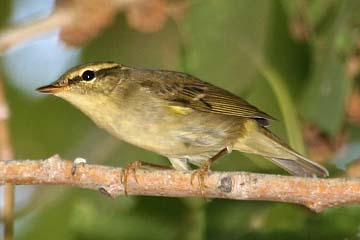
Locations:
(316, 194)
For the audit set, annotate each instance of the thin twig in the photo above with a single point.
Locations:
(58, 19)
(6, 153)
(22, 33)
(316, 194)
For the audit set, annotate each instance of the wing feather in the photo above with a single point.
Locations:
(188, 91)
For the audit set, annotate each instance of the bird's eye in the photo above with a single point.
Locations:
(88, 75)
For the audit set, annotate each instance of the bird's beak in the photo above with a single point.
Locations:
(50, 89)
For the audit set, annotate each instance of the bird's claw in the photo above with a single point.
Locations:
(130, 168)
(201, 174)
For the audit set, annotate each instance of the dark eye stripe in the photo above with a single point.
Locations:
(97, 73)
(74, 80)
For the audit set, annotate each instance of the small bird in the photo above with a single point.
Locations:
(176, 115)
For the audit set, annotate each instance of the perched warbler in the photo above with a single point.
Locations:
(175, 115)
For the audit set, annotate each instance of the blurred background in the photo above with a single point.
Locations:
(298, 60)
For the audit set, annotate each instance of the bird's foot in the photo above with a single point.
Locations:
(201, 174)
(131, 169)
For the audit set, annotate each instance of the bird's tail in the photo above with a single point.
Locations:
(258, 140)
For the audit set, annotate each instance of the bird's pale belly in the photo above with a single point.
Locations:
(176, 135)
(179, 134)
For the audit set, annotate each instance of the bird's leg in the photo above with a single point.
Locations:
(203, 170)
(132, 167)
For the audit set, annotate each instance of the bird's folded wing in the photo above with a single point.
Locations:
(188, 91)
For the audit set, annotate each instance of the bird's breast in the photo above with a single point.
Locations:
(169, 132)
(152, 124)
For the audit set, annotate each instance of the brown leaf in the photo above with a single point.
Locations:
(299, 30)
(90, 17)
(320, 145)
(299, 27)
(353, 62)
(353, 169)
(353, 107)
(177, 10)
(150, 16)
(353, 65)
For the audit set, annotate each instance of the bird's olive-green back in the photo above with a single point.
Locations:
(187, 91)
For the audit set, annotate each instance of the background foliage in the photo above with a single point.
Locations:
(297, 60)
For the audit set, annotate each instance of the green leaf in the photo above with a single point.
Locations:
(290, 58)
(324, 99)
(218, 33)
(312, 13)
(121, 44)
(287, 108)
(5, 12)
